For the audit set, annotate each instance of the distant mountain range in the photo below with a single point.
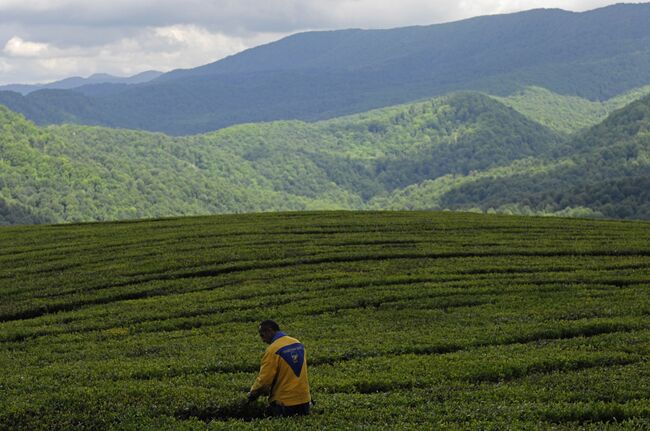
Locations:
(463, 151)
(539, 112)
(82, 84)
(312, 76)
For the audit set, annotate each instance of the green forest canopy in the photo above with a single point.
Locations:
(464, 151)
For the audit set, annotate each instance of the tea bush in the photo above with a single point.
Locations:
(412, 320)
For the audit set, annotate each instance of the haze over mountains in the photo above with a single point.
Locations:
(559, 126)
(80, 84)
(319, 75)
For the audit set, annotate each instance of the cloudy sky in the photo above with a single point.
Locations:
(46, 40)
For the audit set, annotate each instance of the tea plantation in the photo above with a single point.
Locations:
(411, 320)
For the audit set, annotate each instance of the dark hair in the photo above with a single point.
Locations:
(270, 324)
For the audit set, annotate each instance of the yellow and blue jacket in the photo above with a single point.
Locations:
(283, 372)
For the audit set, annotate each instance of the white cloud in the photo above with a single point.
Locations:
(197, 38)
(16, 47)
(159, 48)
(5, 66)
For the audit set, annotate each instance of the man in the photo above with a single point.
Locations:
(283, 373)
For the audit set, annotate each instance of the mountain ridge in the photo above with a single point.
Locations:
(464, 151)
(75, 173)
(77, 82)
(319, 75)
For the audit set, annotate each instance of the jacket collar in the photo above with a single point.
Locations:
(278, 335)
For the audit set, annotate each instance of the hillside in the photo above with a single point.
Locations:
(460, 152)
(567, 114)
(81, 173)
(320, 75)
(605, 169)
(411, 321)
(75, 173)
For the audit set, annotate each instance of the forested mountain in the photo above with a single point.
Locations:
(465, 151)
(603, 171)
(318, 75)
(567, 114)
(75, 173)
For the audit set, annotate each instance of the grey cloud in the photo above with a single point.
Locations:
(68, 36)
(262, 16)
(224, 15)
(90, 21)
(126, 36)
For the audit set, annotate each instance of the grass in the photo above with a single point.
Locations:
(411, 320)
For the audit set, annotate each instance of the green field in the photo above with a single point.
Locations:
(411, 320)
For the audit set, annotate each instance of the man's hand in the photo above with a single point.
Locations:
(252, 396)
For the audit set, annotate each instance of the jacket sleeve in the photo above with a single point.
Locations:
(268, 370)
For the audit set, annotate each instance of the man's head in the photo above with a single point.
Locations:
(267, 330)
